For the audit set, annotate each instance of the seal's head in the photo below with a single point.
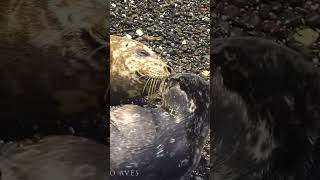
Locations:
(185, 91)
(135, 68)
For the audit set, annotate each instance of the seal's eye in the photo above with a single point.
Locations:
(142, 52)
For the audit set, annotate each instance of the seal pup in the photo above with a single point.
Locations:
(265, 112)
(55, 157)
(135, 70)
(53, 62)
(163, 142)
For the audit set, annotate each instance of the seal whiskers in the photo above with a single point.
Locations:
(145, 85)
(152, 87)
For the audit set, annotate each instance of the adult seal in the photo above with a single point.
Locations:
(55, 157)
(163, 142)
(135, 70)
(53, 62)
(266, 106)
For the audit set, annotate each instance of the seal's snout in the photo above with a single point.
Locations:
(190, 82)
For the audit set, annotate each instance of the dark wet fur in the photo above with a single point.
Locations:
(261, 81)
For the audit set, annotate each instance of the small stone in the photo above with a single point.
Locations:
(139, 32)
(128, 36)
(273, 15)
(306, 36)
(158, 50)
(184, 42)
(205, 73)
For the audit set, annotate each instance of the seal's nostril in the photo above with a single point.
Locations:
(169, 69)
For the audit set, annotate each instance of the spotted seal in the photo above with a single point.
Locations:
(163, 142)
(55, 157)
(266, 107)
(135, 70)
(53, 62)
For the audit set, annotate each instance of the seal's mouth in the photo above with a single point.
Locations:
(153, 80)
(151, 84)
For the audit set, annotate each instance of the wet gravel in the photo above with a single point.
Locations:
(178, 30)
(294, 23)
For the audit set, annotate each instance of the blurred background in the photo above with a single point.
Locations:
(294, 23)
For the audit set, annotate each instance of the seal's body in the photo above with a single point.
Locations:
(135, 70)
(52, 62)
(56, 157)
(163, 142)
(266, 106)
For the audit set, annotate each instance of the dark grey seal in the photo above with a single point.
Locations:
(265, 112)
(161, 143)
